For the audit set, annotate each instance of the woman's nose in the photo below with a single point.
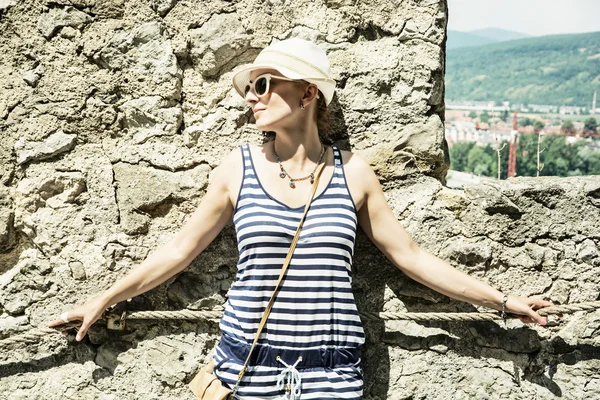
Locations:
(250, 97)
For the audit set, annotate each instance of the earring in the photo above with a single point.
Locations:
(302, 106)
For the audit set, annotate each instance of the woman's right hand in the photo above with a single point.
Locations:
(88, 313)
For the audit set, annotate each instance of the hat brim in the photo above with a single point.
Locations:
(241, 79)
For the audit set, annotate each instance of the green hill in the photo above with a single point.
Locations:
(499, 35)
(458, 39)
(557, 70)
(480, 37)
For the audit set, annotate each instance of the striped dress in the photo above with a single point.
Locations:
(314, 314)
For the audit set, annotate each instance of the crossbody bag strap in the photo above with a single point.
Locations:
(286, 263)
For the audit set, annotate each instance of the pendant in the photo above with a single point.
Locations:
(292, 184)
(282, 175)
(312, 178)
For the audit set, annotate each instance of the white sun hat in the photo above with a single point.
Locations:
(294, 58)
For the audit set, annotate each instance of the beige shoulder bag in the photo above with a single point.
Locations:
(205, 385)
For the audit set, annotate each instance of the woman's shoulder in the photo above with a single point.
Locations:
(230, 167)
(354, 162)
(234, 161)
(233, 158)
(236, 155)
(359, 173)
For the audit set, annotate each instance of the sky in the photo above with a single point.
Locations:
(534, 17)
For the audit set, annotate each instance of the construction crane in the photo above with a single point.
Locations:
(512, 147)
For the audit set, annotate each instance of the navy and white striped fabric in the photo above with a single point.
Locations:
(314, 309)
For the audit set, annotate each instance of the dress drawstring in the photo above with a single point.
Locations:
(289, 379)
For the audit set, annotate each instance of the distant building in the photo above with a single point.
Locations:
(477, 106)
(524, 108)
(457, 132)
(570, 110)
(543, 108)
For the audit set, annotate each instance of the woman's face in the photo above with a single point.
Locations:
(279, 107)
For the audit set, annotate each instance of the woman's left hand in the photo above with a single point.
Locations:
(524, 308)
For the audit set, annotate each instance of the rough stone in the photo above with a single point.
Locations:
(109, 8)
(77, 270)
(160, 155)
(467, 252)
(217, 42)
(10, 326)
(142, 189)
(74, 194)
(145, 53)
(559, 294)
(587, 251)
(32, 77)
(57, 143)
(7, 217)
(492, 200)
(27, 285)
(413, 150)
(147, 117)
(6, 4)
(162, 7)
(50, 22)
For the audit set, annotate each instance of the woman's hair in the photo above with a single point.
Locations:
(322, 117)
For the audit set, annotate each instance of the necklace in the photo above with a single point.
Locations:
(283, 173)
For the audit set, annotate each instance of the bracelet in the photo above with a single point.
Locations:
(504, 300)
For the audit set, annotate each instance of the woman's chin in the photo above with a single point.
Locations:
(267, 124)
(263, 127)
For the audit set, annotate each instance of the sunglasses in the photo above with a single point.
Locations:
(262, 84)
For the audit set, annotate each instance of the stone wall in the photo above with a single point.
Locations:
(113, 114)
(528, 236)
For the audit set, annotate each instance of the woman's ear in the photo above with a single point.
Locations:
(311, 93)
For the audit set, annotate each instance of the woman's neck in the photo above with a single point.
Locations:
(297, 149)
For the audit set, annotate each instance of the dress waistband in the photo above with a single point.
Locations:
(311, 358)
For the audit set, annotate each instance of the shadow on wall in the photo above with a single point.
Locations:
(476, 339)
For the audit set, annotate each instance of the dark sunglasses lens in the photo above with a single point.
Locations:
(261, 86)
(246, 89)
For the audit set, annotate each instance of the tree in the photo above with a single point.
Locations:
(590, 125)
(538, 126)
(526, 121)
(559, 158)
(505, 116)
(590, 158)
(484, 117)
(527, 155)
(479, 161)
(458, 155)
(472, 115)
(568, 127)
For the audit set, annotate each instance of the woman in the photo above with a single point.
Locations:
(313, 334)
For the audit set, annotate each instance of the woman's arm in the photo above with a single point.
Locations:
(381, 226)
(203, 226)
